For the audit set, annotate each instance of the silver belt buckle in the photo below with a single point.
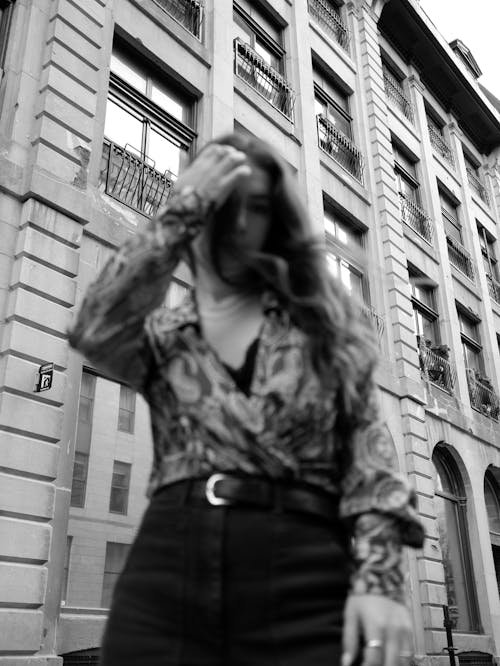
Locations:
(210, 488)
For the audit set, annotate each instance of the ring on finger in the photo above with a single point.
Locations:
(374, 643)
(406, 654)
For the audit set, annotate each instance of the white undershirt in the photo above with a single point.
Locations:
(231, 324)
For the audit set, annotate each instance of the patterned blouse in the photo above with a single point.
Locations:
(203, 423)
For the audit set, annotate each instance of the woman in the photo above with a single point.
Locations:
(272, 479)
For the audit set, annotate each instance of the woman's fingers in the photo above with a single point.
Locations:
(374, 650)
(392, 647)
(351, 635)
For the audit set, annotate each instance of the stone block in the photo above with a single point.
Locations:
(53, 134)
(30, 273)
(21, 630)
(28, 456)
(79, 21)
(19, 375)
(415, 444)
(433, 593)
(433, 617)
(32, 343)
(430, 526)
(43, 313)
(407, 369)
(93, 8)
(24, 541)
(411, 408)
(430, 571)
(59, 56)
(415, 463)
(22, 584)
(58, 81)
(58, 166)
(425, 506)
(432, 548)
(55, 107)
(30, 417)
(26, 497)
(401, 333)
(38, 215)
(64, 34)
(422, 484)
(413, 426)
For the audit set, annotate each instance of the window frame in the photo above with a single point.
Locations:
(487, 243)
(121, 409)
(7, 11)
(111, 572)
(118, 488)
(258, 34)
(322, 96)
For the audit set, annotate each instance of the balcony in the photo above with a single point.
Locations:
(325, 15)
(436, 367)
(416, 218)
(268, 82)
(493, 288)
(460, 258)
(339, 147)
(481, 393)
(375, 319)
(477, 186)
(131, 180)
(395, 94)
(440, 145)
(189, 13)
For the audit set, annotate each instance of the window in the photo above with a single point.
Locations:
(67, 560)
(492, 499)
(176, 293)
(394, 90)
(189, 13)
(409, 194)
(83, 439)
(490, 263)
(425, 315)
(472, 169)
(259, 57)
(450, 504)
(6, 11)
(350, 277)
(327, 14)
(334, 124)
(438, 141)
(458, 255)
(147, 134)
(116, 555)
(341, 231)
(126, 410)
(471, 342)
(120, 484)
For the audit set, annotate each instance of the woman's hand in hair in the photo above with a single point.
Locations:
(214, 173)
(377, 632)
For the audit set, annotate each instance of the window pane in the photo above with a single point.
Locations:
(165, 153)
(168, 101)
(320, 107)
(492, 505)
(116, 555)
(79, 483)
(450, 540)
(472, 357)
(125, 69)
(122, 127)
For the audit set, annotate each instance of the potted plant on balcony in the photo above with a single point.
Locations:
(488, 400)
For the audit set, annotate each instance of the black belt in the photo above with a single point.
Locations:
(263, 493)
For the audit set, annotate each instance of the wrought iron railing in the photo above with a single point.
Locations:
(337, 145)
(482, 396)
(132, 180)
(436, 368)
(189, 13)
(416, 218)
(477, 186)
(460, 258)
(267, 81)
(329, 19)
(375, 319)
(493, 288)
(440, 145)
(395, 93)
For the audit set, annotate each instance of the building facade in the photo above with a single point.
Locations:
(396, 149)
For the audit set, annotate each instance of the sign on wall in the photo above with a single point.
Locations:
(44, 377)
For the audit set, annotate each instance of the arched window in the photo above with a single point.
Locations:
(492, 499)
(451, 514)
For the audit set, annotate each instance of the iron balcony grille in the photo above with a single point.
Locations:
(131, 180)
(493, 288)
(482, 396)
(477, 186)
(339, 147)
(254, 70)
(460, 258)
(329, 19)
(395, 94)
(375, 319)
(436, 368)
(189, 13)
(440, 145)
(416, 218)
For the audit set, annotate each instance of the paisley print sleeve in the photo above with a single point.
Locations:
(111, 326)
(380, 506)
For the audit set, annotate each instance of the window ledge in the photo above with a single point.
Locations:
(342, 174)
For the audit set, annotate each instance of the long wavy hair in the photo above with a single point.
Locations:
(292, 263)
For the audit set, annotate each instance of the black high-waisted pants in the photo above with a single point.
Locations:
(228, 586)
